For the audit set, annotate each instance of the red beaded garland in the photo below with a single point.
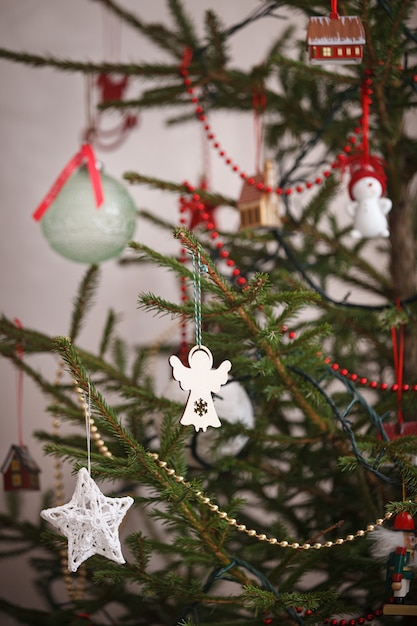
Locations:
(199, 111)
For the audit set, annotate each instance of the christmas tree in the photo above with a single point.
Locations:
(257, 482)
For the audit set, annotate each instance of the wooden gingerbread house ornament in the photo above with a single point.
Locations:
(335, 39)
(19, 470)
(258, 204)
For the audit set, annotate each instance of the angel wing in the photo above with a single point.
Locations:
(180, 372)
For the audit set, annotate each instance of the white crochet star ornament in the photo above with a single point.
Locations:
(90, 521)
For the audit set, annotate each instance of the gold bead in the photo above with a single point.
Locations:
(273, 540)
(252, 533)
(205, 500)
(350, 537)
(328, 544)
(283, 544)
(214, 508)
(370, 527)
(306, 546)
(241, 527)
(162, 464)
(339, 541)
(179, 479)
(222, 514)
(103, 449)
(108, 453)
(93, 429)
(262, 537)
(317, 546)
(379, 522)
(232, 521)
(360, 533)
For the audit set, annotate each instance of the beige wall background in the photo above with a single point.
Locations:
(42, 115)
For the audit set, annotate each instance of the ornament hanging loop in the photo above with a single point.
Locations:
(198, 267)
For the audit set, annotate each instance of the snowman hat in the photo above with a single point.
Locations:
(404, 522)
(372, 167)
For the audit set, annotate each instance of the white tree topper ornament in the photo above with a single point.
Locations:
(201, 381)
(90, 521)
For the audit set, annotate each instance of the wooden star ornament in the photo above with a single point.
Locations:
(90, 521)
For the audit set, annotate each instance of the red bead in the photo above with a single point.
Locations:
(219, 245)
(344, 372)
(224, 254)
(268, 189)
(318, 181)
(183, 220)
(352, 622)
(187, 81)
(292, 334)
(309, 185)
(242, 175)
(236, 272)
(222, 153)
(235, 168)
(250, 181)
(194, 100)
(333, 622)
(202, 118)
(299, 609)
(230, 262)
(288, 191)
(278, 191)
(414, 387)
(373, 384)
(214, 235)
(216, 145)
(259, 186)
(383, 386)
(267, 620)
(353, 377)
(228, 161)
(326, 173)
(299, 188)
(406, 387)
(361, 620)
(308, 612)
(327, 360)
(378, 612)
(347, 149)
(370, 617)
(352, 139)
(205, 216)
(395, 387)
(363, 381)
(342, 622)
(335, 366)
(210, 136)
(184, 298)
(241, 281)
(209, 225)
(199, 110)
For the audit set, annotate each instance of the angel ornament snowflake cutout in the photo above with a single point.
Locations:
(201, 381)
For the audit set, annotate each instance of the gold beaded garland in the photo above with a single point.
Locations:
(251, 532)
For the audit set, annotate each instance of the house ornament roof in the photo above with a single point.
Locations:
(338, 31)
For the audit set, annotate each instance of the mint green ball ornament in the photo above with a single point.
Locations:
(78, 230)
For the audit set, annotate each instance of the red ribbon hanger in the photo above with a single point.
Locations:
(85, 154)
(398, 354)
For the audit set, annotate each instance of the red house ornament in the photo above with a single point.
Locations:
(19, 470)
(335, 39)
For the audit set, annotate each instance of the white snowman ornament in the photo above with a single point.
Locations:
(368, 206)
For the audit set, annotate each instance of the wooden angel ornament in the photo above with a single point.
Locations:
(201, 381)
